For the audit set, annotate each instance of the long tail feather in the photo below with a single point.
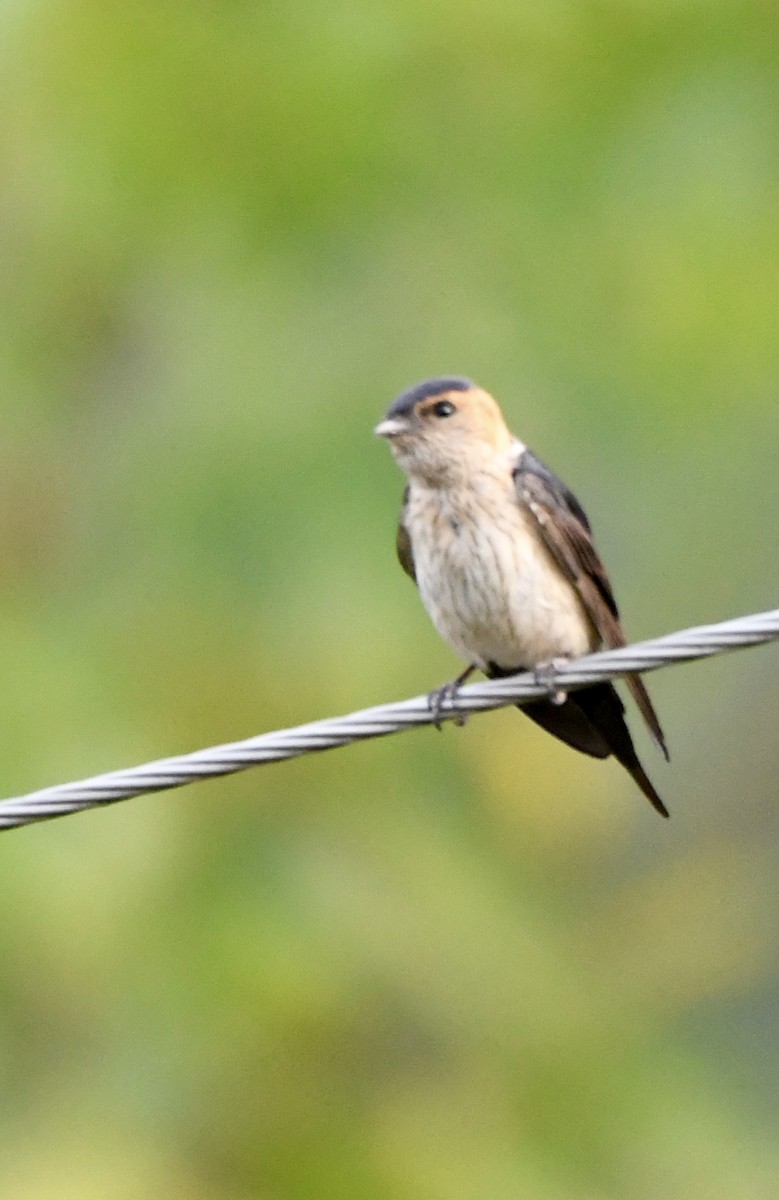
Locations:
(641, 697)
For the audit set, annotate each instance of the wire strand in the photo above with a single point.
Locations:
(686, 645)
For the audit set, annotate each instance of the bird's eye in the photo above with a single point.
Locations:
(444, 408)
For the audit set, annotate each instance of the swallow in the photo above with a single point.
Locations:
(504, 559)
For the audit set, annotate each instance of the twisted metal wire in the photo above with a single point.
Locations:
(700, 642)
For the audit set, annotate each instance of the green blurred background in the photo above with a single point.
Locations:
(469, 966)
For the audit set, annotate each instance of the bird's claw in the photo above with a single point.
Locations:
(545, 675)
(444, 697)
(441, 698)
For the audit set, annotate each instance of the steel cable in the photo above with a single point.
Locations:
(684, 646)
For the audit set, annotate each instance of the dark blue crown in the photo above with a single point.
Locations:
(409, 399)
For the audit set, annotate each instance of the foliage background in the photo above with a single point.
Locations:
(466, 966)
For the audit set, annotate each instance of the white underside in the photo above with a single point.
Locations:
(493, 591)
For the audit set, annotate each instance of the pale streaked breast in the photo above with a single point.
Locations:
(489, 584)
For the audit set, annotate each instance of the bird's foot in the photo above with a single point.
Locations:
(545, 674)
(442, 697)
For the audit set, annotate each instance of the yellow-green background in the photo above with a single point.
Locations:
(469, 966)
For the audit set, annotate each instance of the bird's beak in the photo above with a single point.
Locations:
(392, 427)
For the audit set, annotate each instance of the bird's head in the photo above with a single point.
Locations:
(443, 428)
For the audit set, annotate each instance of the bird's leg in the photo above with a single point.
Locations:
(545, 675)
(441, 698)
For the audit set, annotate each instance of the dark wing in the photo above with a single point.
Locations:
(565, 531)
(403, 542)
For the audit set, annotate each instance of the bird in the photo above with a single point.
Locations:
(504, 558)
